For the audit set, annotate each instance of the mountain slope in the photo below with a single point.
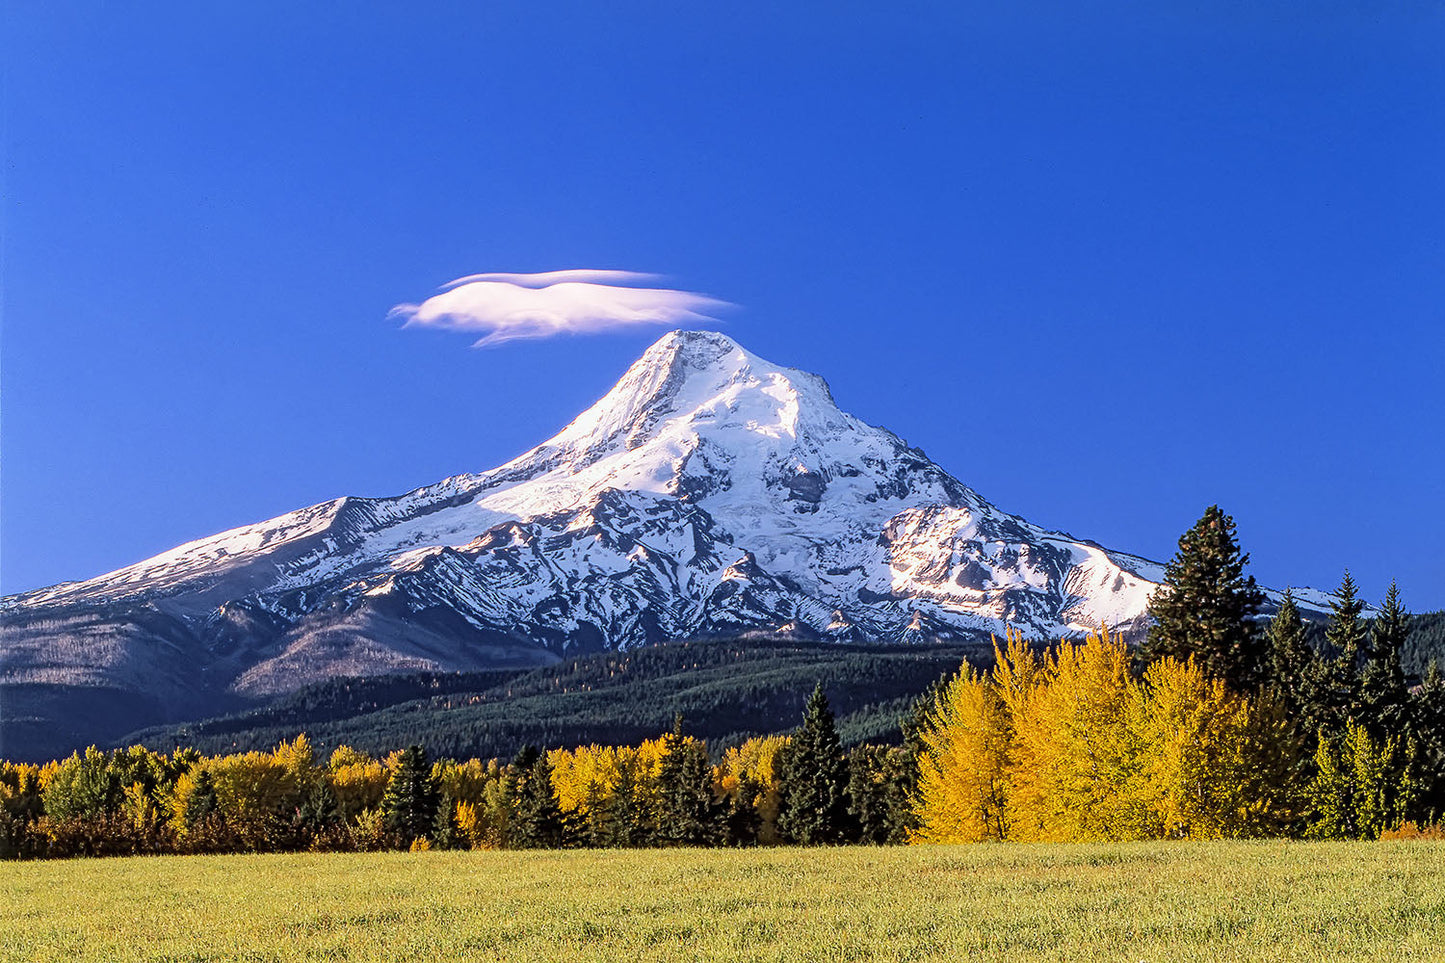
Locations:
(726, 690)
(708, 493)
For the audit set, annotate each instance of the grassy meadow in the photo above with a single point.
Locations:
(1145, 901)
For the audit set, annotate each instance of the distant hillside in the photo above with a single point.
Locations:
(1425, 643)
(725, 690)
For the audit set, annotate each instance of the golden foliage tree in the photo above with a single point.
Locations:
(1067, 745)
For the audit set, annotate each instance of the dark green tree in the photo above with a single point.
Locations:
(1345, 652)
(1290, 657)
(317, 817)
(1384, 696)
(903, 794)
(688, 815)
(1207, 605)
(409, 806)
(625, 819)
(202, 802)
(813, 780)
(742, 821)
(444, 833)
(536, 817)
(873, 777)
(1426, 734)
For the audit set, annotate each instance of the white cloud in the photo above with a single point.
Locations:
(508, 307)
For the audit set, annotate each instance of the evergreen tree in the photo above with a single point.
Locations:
(1290, 658)
(202, 802)
(409, 807)
(813, 780)
(317, 814)
(1207, 604)
(1384, 696)
(1426, 735)
(873, 786)
(444, 833)
(1345, 648)
(742, 820)
(903, 790)
(625, 822)
(687, 813)
(536, 817)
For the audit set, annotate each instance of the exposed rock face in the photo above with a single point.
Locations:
(708, 492)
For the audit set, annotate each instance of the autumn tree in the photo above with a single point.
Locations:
(748, 777)
(1074, 751)
(1070, 746)
(1206, 606)
(625, 820)
(1358, 791)
(964, 775)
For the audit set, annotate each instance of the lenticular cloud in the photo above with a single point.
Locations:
(509, 307)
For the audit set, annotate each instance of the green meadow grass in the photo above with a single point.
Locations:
(1148, 901)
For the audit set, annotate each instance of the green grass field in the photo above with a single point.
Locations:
(1148, 901)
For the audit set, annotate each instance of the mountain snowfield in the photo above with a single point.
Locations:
(710, 492)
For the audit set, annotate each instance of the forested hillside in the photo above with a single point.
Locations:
(726, 690)
(1424, 643)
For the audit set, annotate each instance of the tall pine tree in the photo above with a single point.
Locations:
(1290, 657)
(1427, 734)
(409, 806)
(1384, 697)
(813, 780)
(1207, 606)
(1345, 651)
(687, 815)
(536, 817)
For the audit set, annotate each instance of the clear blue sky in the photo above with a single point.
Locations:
(1105, 268)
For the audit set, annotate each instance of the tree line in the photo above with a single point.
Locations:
(801, 788)
(1221, 724)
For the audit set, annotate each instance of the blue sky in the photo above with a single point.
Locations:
(1107, 268)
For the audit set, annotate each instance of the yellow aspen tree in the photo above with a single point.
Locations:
(357, 781)
(751, 764)
(298, 758)
(1176, 717)
(963, 783)
(465, 781)
(1216, 764)
(1075, 754)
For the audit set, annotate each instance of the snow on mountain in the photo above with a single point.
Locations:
(709, 492)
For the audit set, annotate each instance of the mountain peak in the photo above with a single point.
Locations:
(697, 378)
(697, 348)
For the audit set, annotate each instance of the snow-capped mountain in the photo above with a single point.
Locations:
(709, 492)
